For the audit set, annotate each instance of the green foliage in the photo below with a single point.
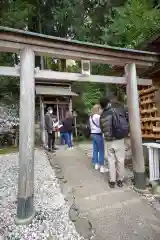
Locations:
(9, 87)
(74, 68)
(15, 13)
(9, 93)
(132, 24)
(8, 150)
(91, 95)
(96, 15)
(124, 23)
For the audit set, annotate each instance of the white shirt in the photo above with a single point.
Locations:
(94, 121)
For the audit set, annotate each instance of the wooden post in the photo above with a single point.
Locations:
(70, 109)
(25, 207)
(135, 127)
(70, 104)
(156, 83)
(70, 100)
(42, 122)
(57, 106)
(75, 123)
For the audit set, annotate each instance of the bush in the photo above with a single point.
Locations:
(9, 125)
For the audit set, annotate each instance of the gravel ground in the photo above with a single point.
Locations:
(51, 221)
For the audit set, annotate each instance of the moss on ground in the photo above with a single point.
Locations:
(7, 150)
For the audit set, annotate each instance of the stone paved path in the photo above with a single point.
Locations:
(115, 214)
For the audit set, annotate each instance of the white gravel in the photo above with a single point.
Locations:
(51, 221)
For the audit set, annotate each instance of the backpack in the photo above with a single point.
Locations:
(120, 124)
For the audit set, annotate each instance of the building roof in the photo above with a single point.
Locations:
(54, 90)
(152, 44)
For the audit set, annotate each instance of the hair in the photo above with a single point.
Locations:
(104, 102)
(49, 109)
(96, 109)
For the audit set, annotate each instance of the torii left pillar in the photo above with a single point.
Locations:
(25, 207)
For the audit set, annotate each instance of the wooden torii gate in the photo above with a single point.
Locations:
(29, 44)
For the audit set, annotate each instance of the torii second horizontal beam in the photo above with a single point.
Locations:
(46, 76)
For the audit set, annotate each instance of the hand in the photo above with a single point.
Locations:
(56, 124)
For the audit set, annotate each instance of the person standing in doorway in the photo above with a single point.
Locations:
(97, 139)
(68, 128)
(114, 126)
(49, 124)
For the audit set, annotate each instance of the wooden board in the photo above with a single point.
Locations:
(149, 112)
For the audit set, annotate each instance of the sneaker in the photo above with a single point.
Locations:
(55, 148)
(70, 148)
(50, 150)
(96, 166)
(119, 183)
(103, 169)
(112, 184)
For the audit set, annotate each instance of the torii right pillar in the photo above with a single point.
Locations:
(135, 127)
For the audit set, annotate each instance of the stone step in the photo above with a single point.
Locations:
(107, 199)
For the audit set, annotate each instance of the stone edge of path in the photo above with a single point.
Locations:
(82, 224)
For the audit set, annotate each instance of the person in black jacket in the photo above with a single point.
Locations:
(50, 128)
(68, 128)
(114, 127)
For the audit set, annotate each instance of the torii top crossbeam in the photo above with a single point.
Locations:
(13, 40)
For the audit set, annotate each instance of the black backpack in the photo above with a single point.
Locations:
(120, 124)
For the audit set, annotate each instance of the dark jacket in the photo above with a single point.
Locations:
(62, 130)
(67, 124)
(106, 120)
(126, 113)
(48, 123)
